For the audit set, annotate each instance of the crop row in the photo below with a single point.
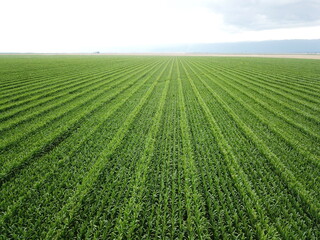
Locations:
(159, 147)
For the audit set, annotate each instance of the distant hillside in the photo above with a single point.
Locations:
(267, 47)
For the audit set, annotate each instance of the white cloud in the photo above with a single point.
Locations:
(268, 14)
(105, 25)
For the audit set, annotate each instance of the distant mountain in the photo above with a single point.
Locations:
(263, 47)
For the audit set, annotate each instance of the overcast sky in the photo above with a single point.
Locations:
(108, 25)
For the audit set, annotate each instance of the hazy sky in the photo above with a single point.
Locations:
(108, 25)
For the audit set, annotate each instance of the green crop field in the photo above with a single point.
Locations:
(159, 147)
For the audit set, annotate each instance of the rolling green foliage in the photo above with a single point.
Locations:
(146, 147)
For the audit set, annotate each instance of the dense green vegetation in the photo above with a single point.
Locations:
(106, 147)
